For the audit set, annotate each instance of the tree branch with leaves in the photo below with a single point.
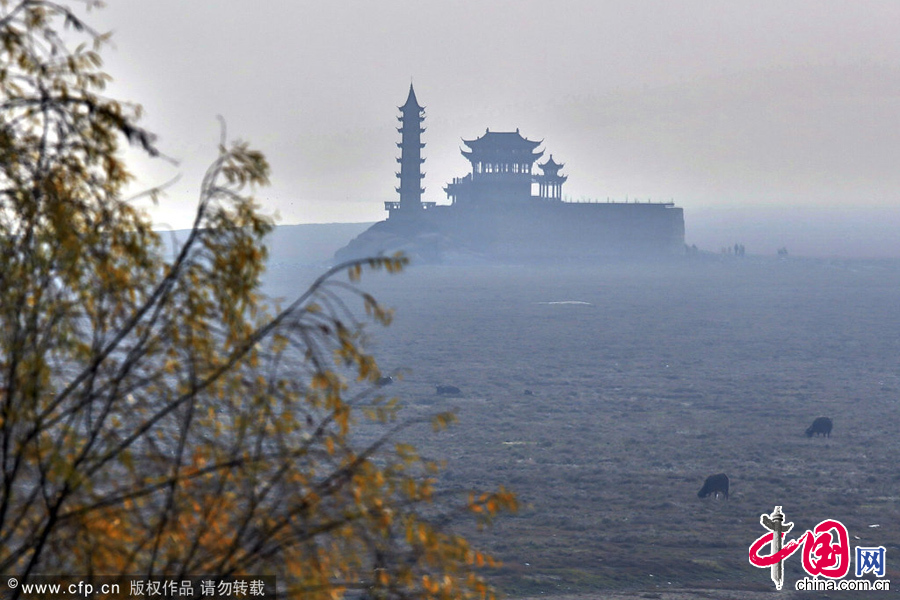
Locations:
(159, 417)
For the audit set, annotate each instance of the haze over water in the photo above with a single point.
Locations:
(767, 116)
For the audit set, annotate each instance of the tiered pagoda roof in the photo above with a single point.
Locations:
(502, 146)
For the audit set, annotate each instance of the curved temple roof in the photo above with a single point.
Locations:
(505, 140)
(503, 147)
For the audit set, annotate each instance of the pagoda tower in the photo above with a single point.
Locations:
(410, 175)
(550, 182)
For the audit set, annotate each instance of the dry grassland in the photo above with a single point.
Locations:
(604, 396)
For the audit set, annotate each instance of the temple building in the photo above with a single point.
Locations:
(502, 164)
(503, 171)
(510, 207)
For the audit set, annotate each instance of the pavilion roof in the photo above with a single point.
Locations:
(551, 165)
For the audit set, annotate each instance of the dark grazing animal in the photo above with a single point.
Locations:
(383, 381)
(821, 425)
(448, 390)
(715, 484)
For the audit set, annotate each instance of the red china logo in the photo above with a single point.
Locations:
(826, 553)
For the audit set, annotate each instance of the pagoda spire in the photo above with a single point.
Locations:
(411, 116)
(411, 101)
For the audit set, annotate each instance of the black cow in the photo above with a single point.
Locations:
(821, 425)
(715, 484)
(448, 390)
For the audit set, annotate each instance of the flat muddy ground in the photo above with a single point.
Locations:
(604, 396)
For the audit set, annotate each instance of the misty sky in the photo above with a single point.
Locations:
(708, 103)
